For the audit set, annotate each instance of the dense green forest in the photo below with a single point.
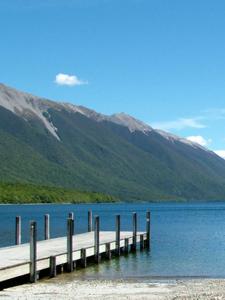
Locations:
(27, 193)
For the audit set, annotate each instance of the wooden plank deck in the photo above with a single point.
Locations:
(15, 260)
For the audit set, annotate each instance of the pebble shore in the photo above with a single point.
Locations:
(119, 289)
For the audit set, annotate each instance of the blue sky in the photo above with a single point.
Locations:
(162, 61)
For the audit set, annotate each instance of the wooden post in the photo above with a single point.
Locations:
(134, 244)
(108, 251)
(148, 224)
(71, 215)
(33, 251)
(52, 262)
(18, 231)
(118, 235)
(97, 255)
(83, 258)
(89, 221)
(126, 245)
(69, 245)
(141, 241)
(47, 227)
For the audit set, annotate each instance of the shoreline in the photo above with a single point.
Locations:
(201, 288)
(166, 202)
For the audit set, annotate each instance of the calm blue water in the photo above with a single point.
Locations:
(187, 239)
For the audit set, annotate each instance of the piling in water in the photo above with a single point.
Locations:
(18, 231)
(33, 251)
(47, 226)
(70, 245)
(89, 221)
(52, 266)
(118, 235)
(148, 228)
(134, 244)
(97, 239)
(83, 258)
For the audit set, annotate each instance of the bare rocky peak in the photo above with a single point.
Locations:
(26, 106)
(71, 108)
(89, 113)
(130, 122)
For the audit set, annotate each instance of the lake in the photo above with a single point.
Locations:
(187, 239)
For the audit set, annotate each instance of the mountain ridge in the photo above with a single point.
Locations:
(122, 118)
(61, 144)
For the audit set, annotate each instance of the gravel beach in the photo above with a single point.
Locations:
(119, 289)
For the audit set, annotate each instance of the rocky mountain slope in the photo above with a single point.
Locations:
(61, 144)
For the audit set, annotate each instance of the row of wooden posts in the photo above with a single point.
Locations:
(18, 235)
(144, 243)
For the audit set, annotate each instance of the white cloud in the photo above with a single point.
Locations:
(70, 80)
(221, 153)
(179, 124)
(199, 140)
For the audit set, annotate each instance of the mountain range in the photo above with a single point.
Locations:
(50, 143)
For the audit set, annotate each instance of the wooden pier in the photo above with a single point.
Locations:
(52, 256)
